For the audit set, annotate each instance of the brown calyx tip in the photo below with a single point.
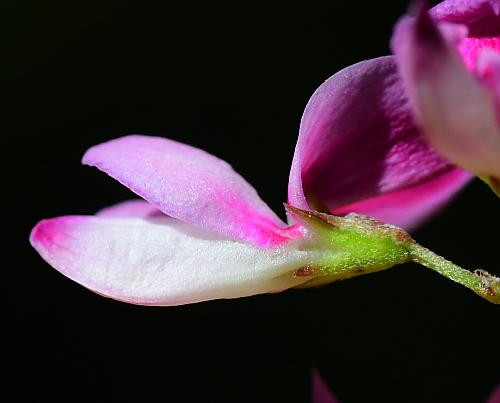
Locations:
(487, 282)
(312, 215)
(403, 236)
(305, 271)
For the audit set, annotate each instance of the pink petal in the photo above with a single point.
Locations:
(162, 261)
(404, 208)
(320, 391)
(495, 396)
(457, 113)
(471, 48)
(358, 141)
(189, 184)
(130, 208)
(482, 17)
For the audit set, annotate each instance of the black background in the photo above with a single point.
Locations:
(231, 78)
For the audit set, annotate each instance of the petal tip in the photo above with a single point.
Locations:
(52, 233)
(418, 6)
(43, 234)
(91, 157)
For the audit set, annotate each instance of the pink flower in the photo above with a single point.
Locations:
(322, 394)
(449, 59)
(201, 231)
(320, 391)
(494, 397)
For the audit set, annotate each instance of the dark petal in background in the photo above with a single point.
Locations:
(231, 78)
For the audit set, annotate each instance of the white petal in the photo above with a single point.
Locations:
(162, 261)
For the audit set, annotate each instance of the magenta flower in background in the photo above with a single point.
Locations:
(320, 391)
(322, 394)
(201, 231)
(449, 60)
(494, 397)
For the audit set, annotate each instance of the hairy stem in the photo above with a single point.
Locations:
(479, 281)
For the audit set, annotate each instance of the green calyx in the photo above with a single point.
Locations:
(350, 245)
(355, 244)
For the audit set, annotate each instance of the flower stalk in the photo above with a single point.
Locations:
(481, 282)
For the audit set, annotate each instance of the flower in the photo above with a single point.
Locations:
(449, 60)
(320, 391)
(201, 231)
(495, 396)
(322, 394)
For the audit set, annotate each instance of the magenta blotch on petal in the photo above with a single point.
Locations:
(471, 48)
(358, 141)
(189, 184)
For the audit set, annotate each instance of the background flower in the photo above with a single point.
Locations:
(450, 62)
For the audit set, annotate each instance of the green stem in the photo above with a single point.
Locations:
(481, 282)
